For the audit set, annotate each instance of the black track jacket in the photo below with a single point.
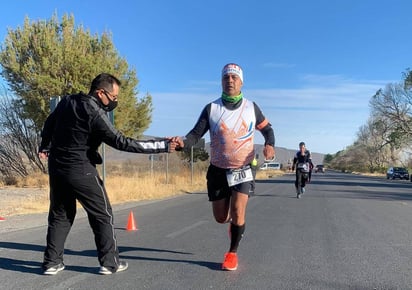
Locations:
(76, 128)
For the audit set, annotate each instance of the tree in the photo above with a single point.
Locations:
(17, 139)
(394, 103)
(11, 161)
(199, 154)
(386, 135)
(46, 58)
(407, 75)
(328, 158)
(375, 140)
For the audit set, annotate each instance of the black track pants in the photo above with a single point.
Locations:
(90, 192)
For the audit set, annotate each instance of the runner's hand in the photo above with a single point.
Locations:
(175, 143)
(269, 152)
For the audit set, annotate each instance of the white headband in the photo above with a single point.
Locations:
(232, 68)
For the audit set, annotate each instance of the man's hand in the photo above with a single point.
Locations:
(43, 154)
(175, 143)
(269, 152)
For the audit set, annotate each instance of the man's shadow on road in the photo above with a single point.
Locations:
(210, 265)
(34, 267)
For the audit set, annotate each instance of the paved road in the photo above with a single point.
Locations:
(347, 232)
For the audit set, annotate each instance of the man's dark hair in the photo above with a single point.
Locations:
(104, 81)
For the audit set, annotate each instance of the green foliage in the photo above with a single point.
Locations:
(46, 58)
(407, 75)
(327, 158)
(199, 154)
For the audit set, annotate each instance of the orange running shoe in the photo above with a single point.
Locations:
(230, 262)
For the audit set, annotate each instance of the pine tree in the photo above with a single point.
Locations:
(47, 58)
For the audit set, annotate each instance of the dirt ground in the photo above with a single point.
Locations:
(14, 216)
(13, 213)
(12, 199)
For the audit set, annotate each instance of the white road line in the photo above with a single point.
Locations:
(185, 229)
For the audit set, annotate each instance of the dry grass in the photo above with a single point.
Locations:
(31, 195)
(146, 187)
(34, 180)
(264, 174)
(375, 174)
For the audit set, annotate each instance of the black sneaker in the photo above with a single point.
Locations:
(54, 270)
(122, 267)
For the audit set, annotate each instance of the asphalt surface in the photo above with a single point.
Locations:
(347, 232)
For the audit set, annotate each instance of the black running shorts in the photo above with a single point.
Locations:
(218, 188)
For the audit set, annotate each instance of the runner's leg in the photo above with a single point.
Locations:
(238, 215)
(221, 211)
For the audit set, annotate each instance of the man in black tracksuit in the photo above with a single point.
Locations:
(70, 139)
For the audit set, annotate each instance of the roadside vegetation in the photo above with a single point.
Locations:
(125, 181)
(46, 59)
(49, 58)
(386, 138)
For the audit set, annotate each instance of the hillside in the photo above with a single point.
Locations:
(283, 155)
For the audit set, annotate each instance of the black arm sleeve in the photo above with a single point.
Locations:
(200, 128)
(267, 130)
(269, 135)
(114, 138)
(46, 133)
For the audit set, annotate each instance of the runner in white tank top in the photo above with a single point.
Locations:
(231, 121)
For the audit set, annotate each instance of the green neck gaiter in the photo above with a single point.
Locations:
(230, 99)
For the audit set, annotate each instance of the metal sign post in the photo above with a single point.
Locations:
(191, 165)
(199, 144)
(53, 102)
(167, 168)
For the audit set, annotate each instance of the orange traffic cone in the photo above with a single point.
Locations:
(131, 225)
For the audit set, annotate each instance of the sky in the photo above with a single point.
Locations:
(311, 66)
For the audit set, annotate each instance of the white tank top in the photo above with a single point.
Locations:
(232, 134)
